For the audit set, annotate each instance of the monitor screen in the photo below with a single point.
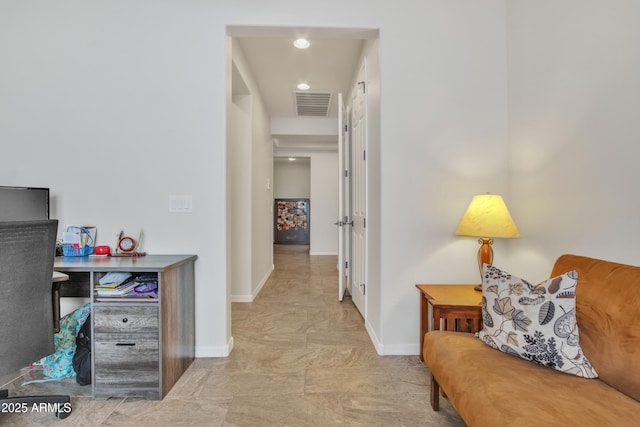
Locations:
(24, 203)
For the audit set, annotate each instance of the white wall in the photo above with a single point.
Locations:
(141, 92)
(324, 204)
(443, 139)
(323, 196)
(115, 108)
(262, 197)
(292, 179)
(240, 196)
(250, 186)
(574, 97)
(318, 126)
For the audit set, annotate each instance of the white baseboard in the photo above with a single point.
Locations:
(263, 282)
(254, 294)
(215, 350)
(401, 350)
(374, 338)
(393, 349)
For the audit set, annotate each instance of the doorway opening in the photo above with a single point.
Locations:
(292, 193)
(281, 132)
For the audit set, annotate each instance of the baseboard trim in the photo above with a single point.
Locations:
(392, 349)
(374, 338)
(214, 350)
(401, 350)
(251, 297)
(263, 282)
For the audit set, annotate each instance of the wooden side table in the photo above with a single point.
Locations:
(454, 307)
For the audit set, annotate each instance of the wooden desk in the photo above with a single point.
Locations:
(140, 346)
(454, 307)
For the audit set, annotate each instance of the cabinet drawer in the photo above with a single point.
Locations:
(129, 320)
(126, 359)
(127, 367)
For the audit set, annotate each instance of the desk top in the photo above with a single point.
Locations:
(458, 295)
(148, 263)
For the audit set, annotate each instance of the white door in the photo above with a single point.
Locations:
(359, 191)
(348, 191)
(341, 203)
(344, 193)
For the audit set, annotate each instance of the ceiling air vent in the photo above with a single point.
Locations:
(312, 103)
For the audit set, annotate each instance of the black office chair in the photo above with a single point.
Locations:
(27, 249)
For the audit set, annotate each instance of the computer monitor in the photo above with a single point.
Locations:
(24, 203)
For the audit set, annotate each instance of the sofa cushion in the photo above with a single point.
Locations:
(534, 322)
(607, 310)
(490, 388)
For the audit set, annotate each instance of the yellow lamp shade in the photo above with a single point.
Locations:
(487, 216)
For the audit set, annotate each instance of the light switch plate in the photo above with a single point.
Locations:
(180, 204)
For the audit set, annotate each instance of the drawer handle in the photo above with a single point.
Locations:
(125, 320)
(128, 344)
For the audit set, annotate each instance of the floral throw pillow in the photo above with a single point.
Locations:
(534, 322)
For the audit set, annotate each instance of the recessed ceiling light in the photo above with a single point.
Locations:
(291, 159)
(304, 86)
(302, 43)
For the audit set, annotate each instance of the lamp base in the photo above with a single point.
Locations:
(485, 256)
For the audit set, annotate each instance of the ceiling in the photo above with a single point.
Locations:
(328, 66)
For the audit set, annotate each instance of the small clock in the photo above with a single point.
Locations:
(126, 244)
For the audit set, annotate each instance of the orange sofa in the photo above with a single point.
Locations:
(491, 388)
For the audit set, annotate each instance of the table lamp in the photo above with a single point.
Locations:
(487, 217)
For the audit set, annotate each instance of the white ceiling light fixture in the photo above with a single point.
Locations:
(303, 86)
(301, 43)
(292, 159)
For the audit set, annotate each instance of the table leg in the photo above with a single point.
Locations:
(55, 301)
(435, 394)
(424, 322)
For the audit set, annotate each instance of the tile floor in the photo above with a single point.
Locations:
(300, 358)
